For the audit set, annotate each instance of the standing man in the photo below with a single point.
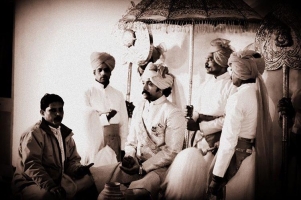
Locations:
(247, 119)
(107, 120)
(206, 122)
(156, 137)
(48, 165)
(213, 94)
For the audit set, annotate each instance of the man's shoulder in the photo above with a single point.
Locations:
(33, 129)
(114, 89)
(35, 126)
(65, 130)
(171, 107)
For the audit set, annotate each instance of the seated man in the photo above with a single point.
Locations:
(156, 136)
(48, 165)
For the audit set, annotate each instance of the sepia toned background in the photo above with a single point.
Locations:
(51, 45)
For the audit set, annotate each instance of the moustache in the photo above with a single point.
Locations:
(145, 92)
(104, 76)
(58, 118)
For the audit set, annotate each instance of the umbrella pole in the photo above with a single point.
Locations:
(285, 132)
(187, 136)
(129, 81)
(128, 90)
(191, 48)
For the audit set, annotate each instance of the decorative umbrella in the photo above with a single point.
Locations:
(279, 40)
(201, 15)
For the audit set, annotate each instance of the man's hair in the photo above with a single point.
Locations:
(167, 91)
(50, 98)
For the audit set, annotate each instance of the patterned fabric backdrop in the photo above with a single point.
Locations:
(279, 38)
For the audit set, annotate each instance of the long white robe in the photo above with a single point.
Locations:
(98, 102)
(240, 121)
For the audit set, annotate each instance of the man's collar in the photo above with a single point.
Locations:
(100, 84)
(54, 129)
(64, 129)
(222, 76)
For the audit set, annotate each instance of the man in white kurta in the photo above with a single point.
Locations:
(246, 111)
(156, 137)
(205, 126)
(212, 97)
(106, 118)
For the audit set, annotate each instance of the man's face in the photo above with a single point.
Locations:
(150, 91)
(236, 81)
(54, 114)
(102, 74)
(212, 67)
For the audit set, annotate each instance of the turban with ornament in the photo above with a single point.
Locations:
(158, 75)
(98, 58)
(221, 50)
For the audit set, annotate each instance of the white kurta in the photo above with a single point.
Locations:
(240, 121)
(165, 124)
(212, 99)
(99, 101)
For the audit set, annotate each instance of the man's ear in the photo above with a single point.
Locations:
(42, 112)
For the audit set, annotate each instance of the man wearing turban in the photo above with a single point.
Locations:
(208, 117)
(206, 122)
(247, 119)
(106, 120)
(156, 136)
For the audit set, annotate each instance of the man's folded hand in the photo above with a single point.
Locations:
(111, 114)
(59, 192)
(215, 185)
(83, 170)
(130, 165)
(192, 125)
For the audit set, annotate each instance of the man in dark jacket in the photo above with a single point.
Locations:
(48, 165)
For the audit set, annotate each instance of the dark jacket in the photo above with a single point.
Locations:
(39, 157)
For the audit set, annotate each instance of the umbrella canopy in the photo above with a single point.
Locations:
(188, 15)
(279, 38)
(210, 15)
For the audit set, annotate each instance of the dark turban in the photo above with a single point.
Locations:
(97, 58)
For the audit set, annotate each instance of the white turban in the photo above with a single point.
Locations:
(221, 50)
(246, 64)
(158, 75)
(97, 58)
